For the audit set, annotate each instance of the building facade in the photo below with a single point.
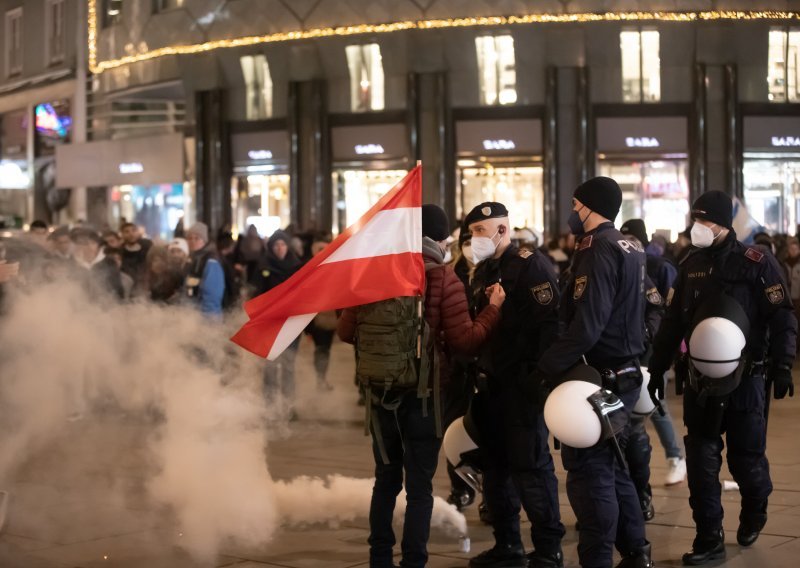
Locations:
(271, 112)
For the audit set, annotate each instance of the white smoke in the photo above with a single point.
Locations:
(201, 403)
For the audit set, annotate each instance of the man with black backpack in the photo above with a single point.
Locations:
(519, 471)
(398, 358)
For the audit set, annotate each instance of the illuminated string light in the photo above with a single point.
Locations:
(100, 66)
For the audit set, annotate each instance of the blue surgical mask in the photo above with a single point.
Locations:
(575, 223)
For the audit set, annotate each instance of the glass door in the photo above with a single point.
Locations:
(358, 190)
(771, 188)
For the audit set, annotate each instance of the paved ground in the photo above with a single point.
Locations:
(103, 520)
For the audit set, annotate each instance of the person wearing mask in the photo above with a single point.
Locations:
(519, 471)
(205, 281)
(749, 281)
(602, 321)
(662, 273)
(405, 441)
(277, 265)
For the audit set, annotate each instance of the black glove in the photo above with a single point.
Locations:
(656, 386)
(537, 388)
(781, 377)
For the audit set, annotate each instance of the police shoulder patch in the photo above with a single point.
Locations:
(524, 253)
(543, 293)
(654, 297)
(754, 255)
(580, 286)
(585, 243)
(774, 294)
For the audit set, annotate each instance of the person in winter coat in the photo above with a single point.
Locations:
(403, 433)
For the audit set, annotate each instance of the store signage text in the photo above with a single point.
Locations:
(131, 168)
(369, 149)
(784, 141)
(259, 155)
(499, 145)
(641, 142)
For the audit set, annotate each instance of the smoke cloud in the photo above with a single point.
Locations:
(160, 392)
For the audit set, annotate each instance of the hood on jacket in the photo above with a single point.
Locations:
(432, 251)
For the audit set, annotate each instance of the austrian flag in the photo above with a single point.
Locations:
(378, 257)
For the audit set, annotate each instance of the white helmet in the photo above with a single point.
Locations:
(718, 337)
(461, 448)
(569, 415)
(644, 406)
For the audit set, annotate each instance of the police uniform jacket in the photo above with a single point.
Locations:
(750, 276)
(603, 304)
(529, 321)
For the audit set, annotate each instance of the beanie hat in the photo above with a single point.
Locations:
(714, 206)
(278, 235)
(199, 230)
(602, 195)
(435, 224)
(635, 228)
(179, 244)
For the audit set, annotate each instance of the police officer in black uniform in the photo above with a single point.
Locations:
(718, 265)
(519, 471)
(602, 318)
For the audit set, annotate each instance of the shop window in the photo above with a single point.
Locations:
(784, 49)
(497, 69)
(164, 5)
(366, 77)
(258, 86)
(54, 22)
(13, 42)
(641, 66)
(111, 13)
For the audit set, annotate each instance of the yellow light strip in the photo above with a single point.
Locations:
(99, 67)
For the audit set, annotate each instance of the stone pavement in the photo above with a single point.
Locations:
(56, 522)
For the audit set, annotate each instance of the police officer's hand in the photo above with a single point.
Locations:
(781, 377)
(656, 386)
(537, 388)
(496, 295)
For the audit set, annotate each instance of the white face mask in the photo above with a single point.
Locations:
(483, 247)
(448, 256)
(702, 236)
(466, 251)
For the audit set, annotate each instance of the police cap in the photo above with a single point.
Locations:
(486, 210)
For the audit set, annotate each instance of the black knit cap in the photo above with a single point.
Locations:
(486, 210)
(635, 228)
(714, 206)
(602, 195)
(435, 224)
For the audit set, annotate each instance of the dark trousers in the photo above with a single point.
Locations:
(519, 473)
(412, 447)
(741, 418)
(323, 339)
(456, 397)
(637, 454)
(604, 498)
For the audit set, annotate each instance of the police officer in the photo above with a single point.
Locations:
(602, 315)
(720, 265)
(519, 471)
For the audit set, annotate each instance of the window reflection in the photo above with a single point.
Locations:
(641, 66)
(366, 77)
(258, 86)
(784, 49)
(496, 69)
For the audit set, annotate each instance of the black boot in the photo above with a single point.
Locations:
(749, 529)
(484, 514)
(501, 556)
(542, 560)
(639, 558)
(705, 548)
(646, 502)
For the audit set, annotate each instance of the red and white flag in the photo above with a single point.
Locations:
(378, 257)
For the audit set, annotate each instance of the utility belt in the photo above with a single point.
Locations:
(622, 379)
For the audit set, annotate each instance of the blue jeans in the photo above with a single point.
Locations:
(666, 432)
(411, 445)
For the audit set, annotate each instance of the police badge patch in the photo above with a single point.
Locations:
(774, 294)
(580, 286)
(543, 293)
(654, 297)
